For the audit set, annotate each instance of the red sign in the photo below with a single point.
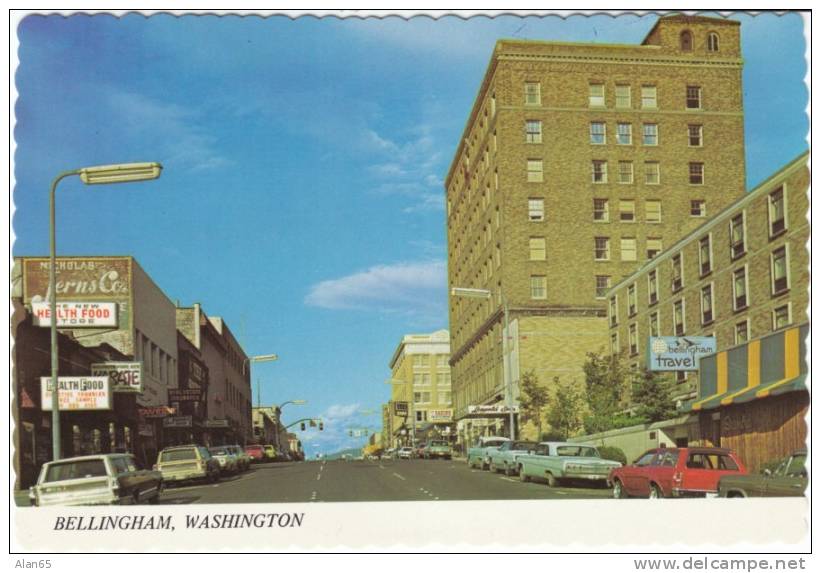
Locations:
(156, 412)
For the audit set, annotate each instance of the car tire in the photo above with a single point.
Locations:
(551, 480)
(522, 477)
(655, 492)
(618, 490)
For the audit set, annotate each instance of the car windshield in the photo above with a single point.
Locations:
(75, 470)
(219, 451)
(178, 455)
(439, 443)
(577, 451)
(523, 446)
(253, 448)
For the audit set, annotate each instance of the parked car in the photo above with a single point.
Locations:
(437, 449)
(256, 451)
(181, 463)
(675, 472)
(419, 450)
(789, 479)
(504, 457)
(405, 453)
(103, 479)
(479, 454)
(271, 453)
(227, 459)
(243, 459)
(389, 454)
(559, 461)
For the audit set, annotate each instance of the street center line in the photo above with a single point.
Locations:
(318, 477)
(400, 477)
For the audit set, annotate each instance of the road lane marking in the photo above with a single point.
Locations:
(510, 479)
(562, 492)
(400, 477)
(318, 477)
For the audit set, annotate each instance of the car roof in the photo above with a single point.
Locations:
(89, 457)
(182, 447)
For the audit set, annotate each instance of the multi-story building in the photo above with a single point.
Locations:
(741, 275)
(578, 163)
(421, 379)
(229, 375)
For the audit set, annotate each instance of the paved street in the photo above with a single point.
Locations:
(384, 480)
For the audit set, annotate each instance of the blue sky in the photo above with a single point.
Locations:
(302, 195)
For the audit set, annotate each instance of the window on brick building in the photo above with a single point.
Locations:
(628, 249)
(782, 316)
(693, 97)
(712, 42)
(624, 133)
(601, 251)
(535, 208)
(677, 280)
(602, 285)
(625, 172)
(742, 331)
(653, 323)
(652, 287)
(533, 93)
(631, 300)
(698, 208)
(652, 173)
(598, 170)
(535, 170)
(654, 246)
(614, 310)
(538, 250)
(648, 97)
(779, 270)
(614, 343)
(650, 134)
(601, 210)
(627, 211)
(686, 41)
(705, 255)
(738, 243)
(696, 172)
(598, 133)
(707, 304)
(777, 212)
(694, 135)
(652, 211)
(679, 326)
(596, 95)
(538, 287)
(740, 289)
(533, 131)
(623, 96)
(633, 332)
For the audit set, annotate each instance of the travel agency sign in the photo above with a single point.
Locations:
(678, 353)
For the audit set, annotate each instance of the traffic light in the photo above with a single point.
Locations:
(302, 426)
(320, 426)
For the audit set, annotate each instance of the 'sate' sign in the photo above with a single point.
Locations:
(126, 377)
(76, 314)
(77, 393)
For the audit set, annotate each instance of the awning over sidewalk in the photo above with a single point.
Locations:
(768, 366)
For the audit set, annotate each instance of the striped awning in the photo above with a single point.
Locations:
(768, 366)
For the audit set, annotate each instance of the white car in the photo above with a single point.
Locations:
(405, 453)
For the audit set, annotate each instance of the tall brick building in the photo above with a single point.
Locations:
(578, 163)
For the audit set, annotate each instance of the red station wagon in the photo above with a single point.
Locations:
(256, 451)
(675, 472)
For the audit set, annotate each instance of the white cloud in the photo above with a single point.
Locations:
(401, 287)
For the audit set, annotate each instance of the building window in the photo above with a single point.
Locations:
(627, 211)
(533, 131)
(652, 287)
(693, 97)
(631, 300)
(694, 135)
(707, 304)
(602, 249)
(596, 95)
(654, 247)
(535, 209)
(650, 134)
(678, 318)
(444, 397)
(652, 211)
(598, 135)
(625, 172)
(681, 377)
(601, 210)
(742, 331)
(698, 208)
(623, 96)
(534, 171)
(712, 42)
(538, 250)
(421, 397)
(777, 212)
(779, 270)
(441, 361)
(624, 133)
(648, 97)
(677, 281)
(634, 339)
(686, 41)
(422, 415)
(533, 93)
(705, 255)
(782, 316)
(599, 171)
(614, 343)
(737, 240)
(652, 173)
(538, 287)
(696, 174)
(628, 249)
(602, 285)
(653, 323)
(740, 298)
(614, 310)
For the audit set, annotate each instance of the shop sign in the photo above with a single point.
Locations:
(177, 422)
(440, 415)
(184, 394)
(126, 377)
(97, 278)
(77, 393)
(400, 409)
(678, 353)
(156, 412)
(76, 314)
(216, 423)
(492, 409)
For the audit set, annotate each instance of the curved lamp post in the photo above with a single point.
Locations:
(99, 175)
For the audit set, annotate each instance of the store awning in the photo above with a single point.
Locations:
(768, 366)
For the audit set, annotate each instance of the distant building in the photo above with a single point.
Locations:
(578, 163)
(421, 398)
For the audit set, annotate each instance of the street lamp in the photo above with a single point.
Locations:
(412, 408)
(98, 175)
(486, 294)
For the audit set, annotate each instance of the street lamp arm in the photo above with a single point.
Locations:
(300, 421)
